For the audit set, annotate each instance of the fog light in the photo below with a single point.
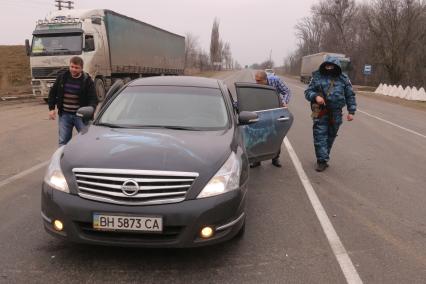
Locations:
(206, 232)
(58, 225)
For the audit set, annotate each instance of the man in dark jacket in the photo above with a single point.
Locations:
(329, 91)
(71, 90)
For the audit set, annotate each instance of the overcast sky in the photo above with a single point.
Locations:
(252, 27)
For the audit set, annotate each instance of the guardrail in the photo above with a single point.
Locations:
(407, 93)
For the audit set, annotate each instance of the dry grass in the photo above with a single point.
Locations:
(15, 76)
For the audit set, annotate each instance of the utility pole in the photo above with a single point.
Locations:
(64, 4)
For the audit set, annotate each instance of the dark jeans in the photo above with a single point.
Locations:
(67, 122)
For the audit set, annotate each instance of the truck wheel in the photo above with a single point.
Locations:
(100, 89)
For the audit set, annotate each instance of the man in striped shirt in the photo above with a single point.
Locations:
(71, 90)
(272, 80)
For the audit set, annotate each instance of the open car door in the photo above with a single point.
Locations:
(263, 139)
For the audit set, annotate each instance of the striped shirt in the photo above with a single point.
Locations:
(281, 87)
(72, 88)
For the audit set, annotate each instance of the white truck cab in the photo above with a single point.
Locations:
(112, 46)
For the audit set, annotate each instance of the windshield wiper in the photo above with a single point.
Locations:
(111, 125)
(61, 49)
(181, 128)
(166, 127)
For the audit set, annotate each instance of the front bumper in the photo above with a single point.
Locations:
(181, 221)
(41, 87)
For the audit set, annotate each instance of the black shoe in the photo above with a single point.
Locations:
(277, 163)
(321, 166)
(254, 165)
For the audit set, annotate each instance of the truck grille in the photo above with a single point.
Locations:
(47, 72)
(133, 187)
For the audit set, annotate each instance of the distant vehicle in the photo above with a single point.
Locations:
(112, 46)
(269, 71)
(310, 63)
(164, 164)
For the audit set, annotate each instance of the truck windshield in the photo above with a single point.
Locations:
(56, 44)
(188, 108)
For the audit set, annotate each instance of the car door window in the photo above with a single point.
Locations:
(257, 99)
(263, 139)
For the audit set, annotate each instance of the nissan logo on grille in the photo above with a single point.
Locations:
(130, 187)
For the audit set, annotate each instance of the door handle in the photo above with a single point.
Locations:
(283, 118)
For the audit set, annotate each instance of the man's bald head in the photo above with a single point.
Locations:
(261, 77)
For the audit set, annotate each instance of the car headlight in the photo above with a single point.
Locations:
(225, 180)
(54, 176)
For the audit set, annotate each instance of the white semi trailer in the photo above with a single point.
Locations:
(113, 46)
(310, 63)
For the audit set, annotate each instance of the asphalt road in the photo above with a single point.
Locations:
(373, 193)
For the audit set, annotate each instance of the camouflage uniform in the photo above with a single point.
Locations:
(337, 92)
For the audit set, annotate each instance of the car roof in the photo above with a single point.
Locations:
(181, 81)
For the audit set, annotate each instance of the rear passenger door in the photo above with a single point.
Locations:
(263, 139)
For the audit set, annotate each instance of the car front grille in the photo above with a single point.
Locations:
(47, 72)
(133, 187)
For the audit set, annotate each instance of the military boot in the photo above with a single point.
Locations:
(321, 166)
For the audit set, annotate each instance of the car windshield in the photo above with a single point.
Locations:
(56, 44)
(269, 71)
(173, 107)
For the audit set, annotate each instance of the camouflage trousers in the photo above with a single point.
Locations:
(325, 130)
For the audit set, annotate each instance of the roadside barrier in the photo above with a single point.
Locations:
(408, 93)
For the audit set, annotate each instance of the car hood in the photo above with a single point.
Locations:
(203, 152)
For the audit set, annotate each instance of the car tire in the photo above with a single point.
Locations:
(100, 89)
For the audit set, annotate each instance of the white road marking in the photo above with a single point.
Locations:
(337, 247)
(393, 124)
(23, 173)
(382, 120)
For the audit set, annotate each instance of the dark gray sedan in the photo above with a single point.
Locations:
(164, 164)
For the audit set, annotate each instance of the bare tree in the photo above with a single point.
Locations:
(337, 17)
(191, 47)
(215, 43)
(227, 55)
(389, 34)
(203, 60)
(397, 28)
(309, 31)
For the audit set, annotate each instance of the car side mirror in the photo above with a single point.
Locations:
(86, 113)
(247, 117)
(27, 47)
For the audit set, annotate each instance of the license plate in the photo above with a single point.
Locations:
(127, 223)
